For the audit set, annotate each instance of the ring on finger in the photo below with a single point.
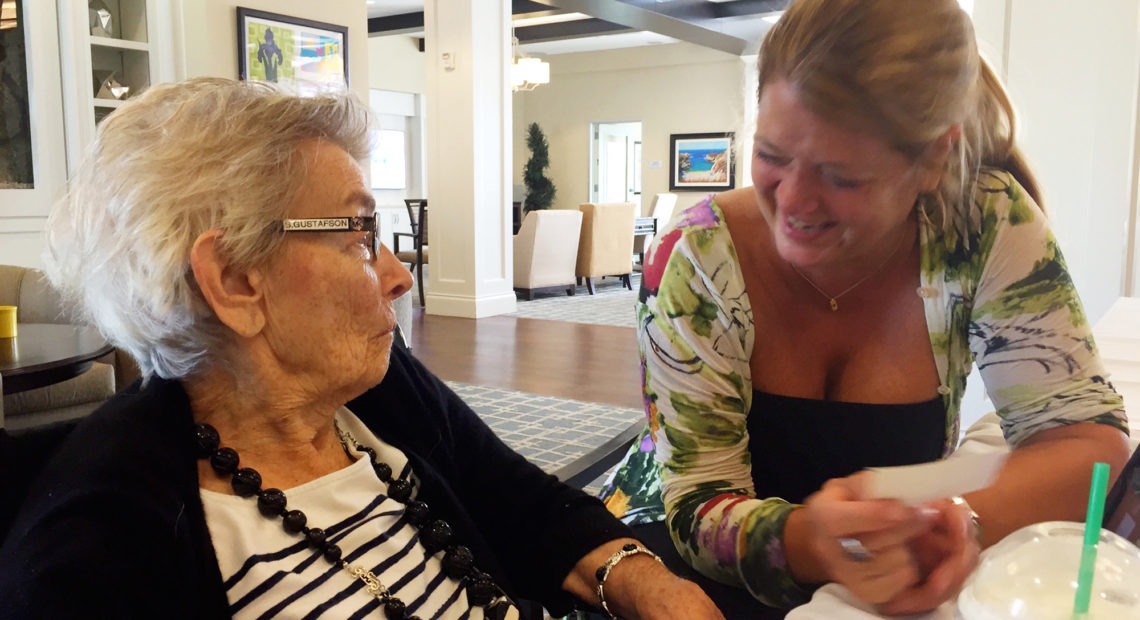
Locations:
(854, 550)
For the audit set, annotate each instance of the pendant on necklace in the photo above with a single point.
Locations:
(834, 305)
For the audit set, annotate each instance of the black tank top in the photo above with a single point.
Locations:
(797, 444)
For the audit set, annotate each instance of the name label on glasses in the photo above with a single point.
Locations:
(339, 223)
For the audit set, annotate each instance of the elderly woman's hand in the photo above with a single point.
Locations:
(639, 587)
(946, 554)
(865, 545)
(649, 591)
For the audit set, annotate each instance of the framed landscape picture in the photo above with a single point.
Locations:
(306, 55)
(701, 161)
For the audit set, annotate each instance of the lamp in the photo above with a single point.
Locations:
(527, 73)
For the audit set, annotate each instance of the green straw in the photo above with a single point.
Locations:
(1093, 518)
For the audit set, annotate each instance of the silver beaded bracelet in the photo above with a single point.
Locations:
(603, 571)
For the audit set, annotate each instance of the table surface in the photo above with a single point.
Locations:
(42, 354)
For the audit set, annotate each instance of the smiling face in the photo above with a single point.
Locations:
(833, 198)
(328, 301)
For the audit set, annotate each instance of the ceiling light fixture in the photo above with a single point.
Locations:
(527, 73)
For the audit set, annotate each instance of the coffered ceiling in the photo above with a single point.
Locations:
(564, 26)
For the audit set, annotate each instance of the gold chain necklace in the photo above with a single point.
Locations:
(833, 300)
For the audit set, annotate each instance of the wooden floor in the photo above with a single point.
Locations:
(594, 363)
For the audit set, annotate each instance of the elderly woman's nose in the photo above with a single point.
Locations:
(396, 278)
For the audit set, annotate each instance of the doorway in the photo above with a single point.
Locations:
(615, 162)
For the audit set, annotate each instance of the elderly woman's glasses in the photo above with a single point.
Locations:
(368, 224)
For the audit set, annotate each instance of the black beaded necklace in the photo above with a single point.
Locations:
(435, 535)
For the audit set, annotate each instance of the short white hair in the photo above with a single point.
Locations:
(181, 159)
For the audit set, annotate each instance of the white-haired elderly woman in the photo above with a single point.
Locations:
(283, 455)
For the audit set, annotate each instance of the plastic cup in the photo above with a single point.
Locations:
(1032, 574)
(7, 321)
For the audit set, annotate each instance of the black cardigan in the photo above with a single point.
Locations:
(114, 528)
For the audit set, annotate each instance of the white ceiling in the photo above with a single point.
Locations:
(384, 8)
(743, 27)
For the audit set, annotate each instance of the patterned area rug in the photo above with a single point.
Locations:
(612, 304)
(549, 432)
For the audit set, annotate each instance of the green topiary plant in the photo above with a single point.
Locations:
(539, 189)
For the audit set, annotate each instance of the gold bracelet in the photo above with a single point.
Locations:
(974, 518)
(603, 571)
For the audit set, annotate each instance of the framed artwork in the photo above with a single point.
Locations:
(306, 55)
(701, 161)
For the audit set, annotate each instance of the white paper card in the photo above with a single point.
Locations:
(917, 484)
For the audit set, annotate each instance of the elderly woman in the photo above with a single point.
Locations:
(283, 455)
(785, 348)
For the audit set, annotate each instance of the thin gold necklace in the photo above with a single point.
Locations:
(833, 300)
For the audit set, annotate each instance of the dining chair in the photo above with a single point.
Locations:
(416, 257)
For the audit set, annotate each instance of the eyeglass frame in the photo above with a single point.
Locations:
(369, 224)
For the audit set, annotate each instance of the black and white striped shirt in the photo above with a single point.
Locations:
(269, 573)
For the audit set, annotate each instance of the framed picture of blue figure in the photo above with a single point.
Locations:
(306, 55)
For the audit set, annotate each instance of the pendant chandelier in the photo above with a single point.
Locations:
(527, 73)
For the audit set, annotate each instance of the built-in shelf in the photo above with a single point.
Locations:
(141, 46)
(108, 103)
(137, 53)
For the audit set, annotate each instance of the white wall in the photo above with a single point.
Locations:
(396, 63)
(1072, 71)
(677, 88)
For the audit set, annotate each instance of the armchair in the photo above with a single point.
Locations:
(546, 249)
(38, 302)
(416, 257)
(606, 244)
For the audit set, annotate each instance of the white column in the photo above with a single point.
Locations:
(468, 157)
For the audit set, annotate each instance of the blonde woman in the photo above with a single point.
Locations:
(825, 320)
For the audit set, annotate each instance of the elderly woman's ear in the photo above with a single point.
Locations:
(233, 293)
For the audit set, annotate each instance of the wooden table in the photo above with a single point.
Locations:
(42, 354)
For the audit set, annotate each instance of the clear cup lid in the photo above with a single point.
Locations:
(1032, 573)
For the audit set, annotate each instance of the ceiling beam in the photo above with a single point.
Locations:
(413, 23)
(561, 31)
(747, 8)
(698, 11)
(405, 23)
(637, 18)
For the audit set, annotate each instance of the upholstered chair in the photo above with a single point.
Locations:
(605, 247)
(38, 302)
(546, 251)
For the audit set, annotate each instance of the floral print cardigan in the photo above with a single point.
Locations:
(996, 292)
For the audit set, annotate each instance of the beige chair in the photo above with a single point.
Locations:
(546, 250)
(38, 302)
(606, 244)
(662, 210)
